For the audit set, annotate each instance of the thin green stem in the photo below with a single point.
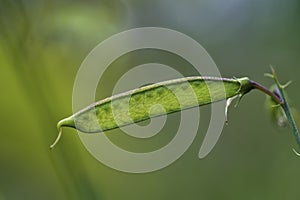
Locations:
(291, 121)
(287, 110)
(281, 100)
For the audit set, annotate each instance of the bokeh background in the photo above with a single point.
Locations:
(42, 44)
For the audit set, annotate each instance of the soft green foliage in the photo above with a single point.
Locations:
(142, 103)
(274, 109)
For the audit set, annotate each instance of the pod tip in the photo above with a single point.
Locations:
(69, 122)
(57, 139)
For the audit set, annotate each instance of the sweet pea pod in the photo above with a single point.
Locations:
(175, 95)
(141, 103)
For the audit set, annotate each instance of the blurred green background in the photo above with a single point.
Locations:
(42, 44)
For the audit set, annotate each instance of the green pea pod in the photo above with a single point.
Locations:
(141, 103)
(175, 95)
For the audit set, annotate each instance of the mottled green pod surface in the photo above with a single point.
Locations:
(175, 95)
(154, 100)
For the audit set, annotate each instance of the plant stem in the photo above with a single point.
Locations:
(291, 122)
(281, 100)
(288, 113)
(267, 91)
